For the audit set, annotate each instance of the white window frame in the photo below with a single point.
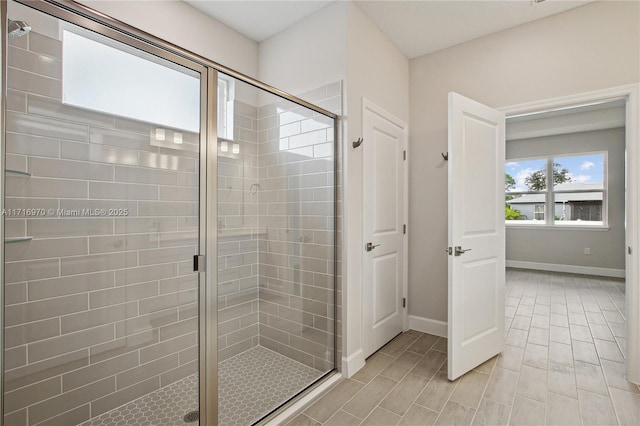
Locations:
(226, 97)
(550, 193)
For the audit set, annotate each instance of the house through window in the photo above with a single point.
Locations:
(568, 190)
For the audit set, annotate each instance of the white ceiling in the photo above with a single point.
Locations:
(421, 27)
(417, 27)
(261, 19)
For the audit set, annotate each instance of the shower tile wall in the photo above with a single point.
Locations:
(99, 310)
(238, 235)
(296, 209)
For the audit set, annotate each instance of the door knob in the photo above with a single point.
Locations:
(459, 250)
(370, 246)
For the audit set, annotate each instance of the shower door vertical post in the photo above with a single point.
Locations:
(208, 333)
(3, 82)
(338, 190)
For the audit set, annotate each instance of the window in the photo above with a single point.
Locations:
(226, 94)
(576, 197)
(104, 75)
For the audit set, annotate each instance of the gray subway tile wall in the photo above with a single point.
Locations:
(275, 240)
(238, 236)
(99, 310)
(296, 149)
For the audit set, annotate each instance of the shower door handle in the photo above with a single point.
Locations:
(370, 246)
(198, 263)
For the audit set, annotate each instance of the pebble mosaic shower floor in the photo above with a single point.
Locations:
(164, 407)
(256, 381)
(251, 384)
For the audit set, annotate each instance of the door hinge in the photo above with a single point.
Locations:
(404, 229)
(404, 155)
(404, 302)
(629, 249)
(198, 263)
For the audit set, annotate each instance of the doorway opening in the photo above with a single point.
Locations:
(569, 286)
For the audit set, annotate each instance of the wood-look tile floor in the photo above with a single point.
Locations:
(563, 365)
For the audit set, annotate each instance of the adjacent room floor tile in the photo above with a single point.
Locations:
(561, 379)
(627, 405)
(536, 355)
(560, 353)
(455, 414)
(614, 373)
(491, 413)
(533, 383)
(419, 416)
(589, 377)
(527, 412)
(562, 411)
(381, 417)
(596, 409)
(559, 366)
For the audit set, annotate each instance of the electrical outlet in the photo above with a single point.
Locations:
(587, 250)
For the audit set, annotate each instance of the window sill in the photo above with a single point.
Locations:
(558, 227)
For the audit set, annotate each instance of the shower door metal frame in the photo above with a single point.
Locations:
(3, 80)
(208, 313)
(100, 23)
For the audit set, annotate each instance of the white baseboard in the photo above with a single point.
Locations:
(428, 325)
(352, 363)
(571, 269)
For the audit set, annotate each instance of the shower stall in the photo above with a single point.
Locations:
(169, 230)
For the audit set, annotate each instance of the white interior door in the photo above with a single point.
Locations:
(383, 226)
(476, 234)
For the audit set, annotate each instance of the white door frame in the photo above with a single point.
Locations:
(631, 94)
(367, 104)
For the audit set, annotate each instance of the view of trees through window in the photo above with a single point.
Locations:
(576, 197)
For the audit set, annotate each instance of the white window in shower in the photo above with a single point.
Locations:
(226, 95)
(104, 75)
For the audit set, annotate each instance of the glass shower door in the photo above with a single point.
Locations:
(103, 147)
(276, 249)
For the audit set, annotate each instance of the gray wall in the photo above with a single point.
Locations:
(571, 52)
(566, 246)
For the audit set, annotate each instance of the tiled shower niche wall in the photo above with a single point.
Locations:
(99, 310)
